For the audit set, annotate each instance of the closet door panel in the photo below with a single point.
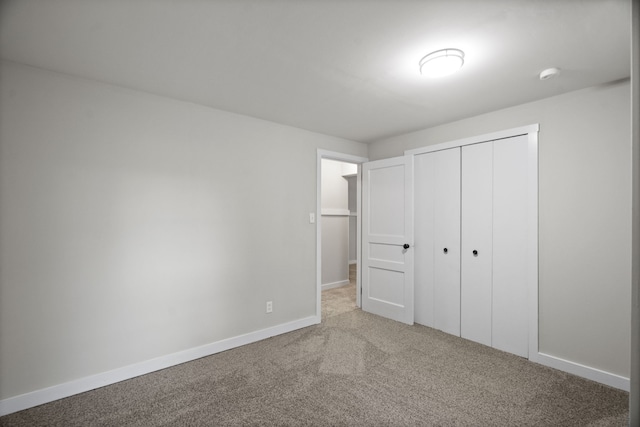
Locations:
(447, 241)
(510, 307)
(424, 203)
(476, 257)
(437, 227)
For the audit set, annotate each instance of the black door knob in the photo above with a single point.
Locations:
(406, 246)
(475, 253)
(445, 250)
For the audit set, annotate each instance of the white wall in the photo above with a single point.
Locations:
(335, 224)
(334, 186)
(134, 226)
(584, 215)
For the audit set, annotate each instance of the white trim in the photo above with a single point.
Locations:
(332, 155)
(359, 237)
(593, 374)
(49, 394)
(341, 157)
(532, 242)
(333, 285)
(352, 261)
(508, 133)
(335, 212)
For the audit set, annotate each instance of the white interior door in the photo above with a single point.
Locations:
(387, 238)
(477, 243)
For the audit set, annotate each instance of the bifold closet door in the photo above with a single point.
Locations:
(437, 240)
(510, 318)
(477, 243)
(494, 267)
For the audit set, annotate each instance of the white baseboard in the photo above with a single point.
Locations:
(593, 374)
(353, 261)
(49, 394)
(335, 284)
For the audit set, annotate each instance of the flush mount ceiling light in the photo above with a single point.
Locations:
(441, 62)
(549, 73)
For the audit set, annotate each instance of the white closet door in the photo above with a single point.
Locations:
(447, 241)
(476, 257)
(510, 230)
(424, 236)
(437, 240)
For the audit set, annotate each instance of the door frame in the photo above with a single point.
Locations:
(347, 158)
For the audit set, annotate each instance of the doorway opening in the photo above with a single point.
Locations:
(338, 226)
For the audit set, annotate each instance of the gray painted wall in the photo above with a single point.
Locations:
(584, 215)
(134, 226)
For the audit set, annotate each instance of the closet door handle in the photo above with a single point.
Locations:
(445, 250)
(475, 253)
(406, 246)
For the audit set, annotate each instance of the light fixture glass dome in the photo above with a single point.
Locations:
(441, 62)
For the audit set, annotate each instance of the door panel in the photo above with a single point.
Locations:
(447, 241)
(383, 252)
(476, 258)
(424, 190)
(437, 228)
(510, 230)
(387, 225)
(386, 285)
(386, 214)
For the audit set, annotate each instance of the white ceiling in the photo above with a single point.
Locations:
(346, 68)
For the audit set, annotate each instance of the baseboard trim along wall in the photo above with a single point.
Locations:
(335, 284)
(49, 394)
(593, 374)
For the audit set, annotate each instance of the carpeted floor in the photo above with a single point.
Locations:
(354, 369)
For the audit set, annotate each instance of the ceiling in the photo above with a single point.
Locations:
(347, 68)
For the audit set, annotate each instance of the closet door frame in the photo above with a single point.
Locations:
(532, 206)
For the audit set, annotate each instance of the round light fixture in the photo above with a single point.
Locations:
(441, 62)
(549, 73)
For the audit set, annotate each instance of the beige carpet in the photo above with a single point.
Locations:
(355, 369)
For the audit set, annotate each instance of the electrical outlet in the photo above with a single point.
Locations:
(269, 306)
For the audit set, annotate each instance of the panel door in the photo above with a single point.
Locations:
(510, 230)
(387, 238)
(477, 247)
(437, 246)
